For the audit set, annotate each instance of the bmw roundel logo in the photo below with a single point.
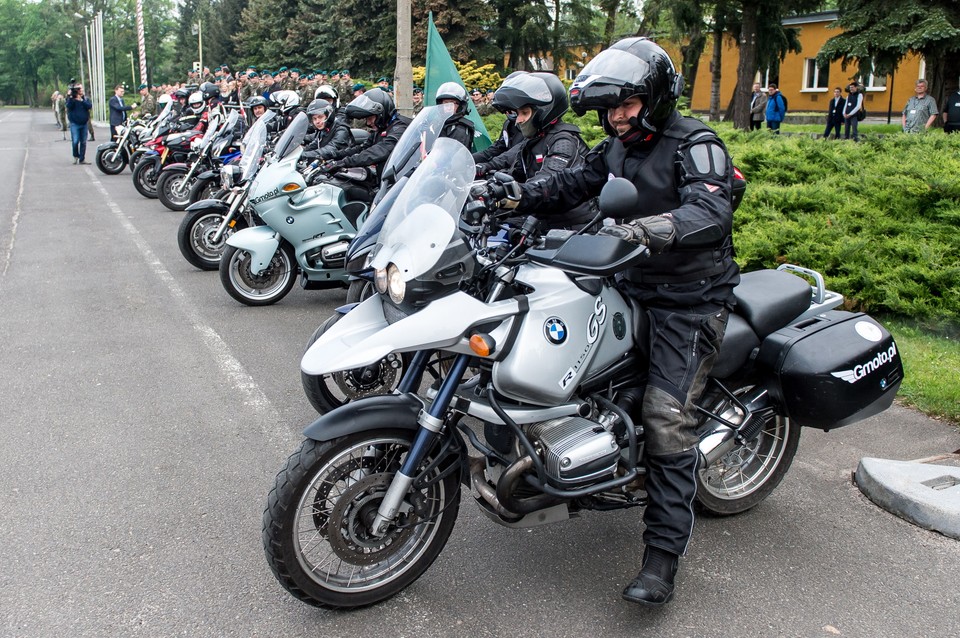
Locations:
(555, 330)
(289, 219)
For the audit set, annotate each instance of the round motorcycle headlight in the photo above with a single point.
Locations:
(395, 284)
(380, 280)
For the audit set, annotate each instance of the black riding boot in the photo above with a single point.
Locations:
(653, 586)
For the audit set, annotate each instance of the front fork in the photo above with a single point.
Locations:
(431, 423)
(237, 200)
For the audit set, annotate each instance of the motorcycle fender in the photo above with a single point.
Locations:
(107, 146)
(179, 166)
(260, 241)
(208, 175)
(369, 413)
(364, 336)
(209, 204)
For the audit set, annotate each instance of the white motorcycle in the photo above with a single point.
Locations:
(370, 498)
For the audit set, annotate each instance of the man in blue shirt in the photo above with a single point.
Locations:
(78, 114)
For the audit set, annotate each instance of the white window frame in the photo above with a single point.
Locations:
(869, 84)
(571, 73)
(810, 84)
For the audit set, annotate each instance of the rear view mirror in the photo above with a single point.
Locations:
(619, 198)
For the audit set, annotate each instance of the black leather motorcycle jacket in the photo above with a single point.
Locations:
(461, 129)
(510, 137)
(377, 148)
(334, 137)
(556, 148)
(683, 174)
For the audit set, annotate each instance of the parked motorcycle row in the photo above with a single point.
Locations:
(481, 355)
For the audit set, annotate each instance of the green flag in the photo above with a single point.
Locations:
(440, 69)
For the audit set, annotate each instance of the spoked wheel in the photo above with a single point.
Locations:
(195, 238)
(173, 190)
(110, 161)
(267, 287)
(145, 177)
(327, 392)
(316, 526)
(135, 158)
(748, 473)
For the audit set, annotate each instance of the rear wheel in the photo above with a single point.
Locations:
(268, 286)
(747, 474)
(195, 237)
(173, 190)
(145, 177)
(110, 161)
(327, 392)
(316, 526)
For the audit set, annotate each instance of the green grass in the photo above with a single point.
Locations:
(931, 365)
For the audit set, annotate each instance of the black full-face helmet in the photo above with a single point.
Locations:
(543, 92)
(632, 66)
(320, 107)
(209, 91)
(374, 102)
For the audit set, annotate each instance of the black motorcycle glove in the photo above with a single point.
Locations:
(656, 233)
(504, 190)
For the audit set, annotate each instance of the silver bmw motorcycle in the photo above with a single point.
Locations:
(542, 350)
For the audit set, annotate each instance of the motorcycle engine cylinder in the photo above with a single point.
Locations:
(575, 449)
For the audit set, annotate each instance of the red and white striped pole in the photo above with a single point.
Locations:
(141, 45)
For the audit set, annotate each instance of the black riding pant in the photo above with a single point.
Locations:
(684, 343)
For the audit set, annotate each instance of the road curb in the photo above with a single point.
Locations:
(925, 492)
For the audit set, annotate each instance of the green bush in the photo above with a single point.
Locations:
(879, 219)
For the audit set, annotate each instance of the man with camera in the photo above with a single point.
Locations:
(78, 114)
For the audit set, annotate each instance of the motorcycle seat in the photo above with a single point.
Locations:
(739, 342)
(770, 299)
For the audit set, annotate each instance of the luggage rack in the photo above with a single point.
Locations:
(821, 299)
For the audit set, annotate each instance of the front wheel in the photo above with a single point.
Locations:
(316, 526)
(110, 161)
(173, 189)
(267, 287)
(204, 188)
(327, 392)
(359, 290)
(195, 237)
(747, 474)
(145, 178)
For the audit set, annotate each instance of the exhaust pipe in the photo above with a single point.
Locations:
(718, 438)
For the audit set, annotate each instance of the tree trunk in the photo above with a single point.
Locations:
(610, 27)
(715, 62)
(747, 66)
(691, 61)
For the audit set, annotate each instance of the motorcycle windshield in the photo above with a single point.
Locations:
(293, 136)
(423, 219)
(225, 133)
(417, 141)
(253, 146)
(213, 127)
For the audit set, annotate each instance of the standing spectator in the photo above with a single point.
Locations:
(921, 110)
(148, 104)
(118, 110)
(776, 109)
(851, 111)
(78, 114)
(56, 101)
(834, 115)
(758, 107)
(951, 113)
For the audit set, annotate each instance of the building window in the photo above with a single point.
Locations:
(571, 74)
(816, 77)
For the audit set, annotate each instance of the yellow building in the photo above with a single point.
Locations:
(808, 87)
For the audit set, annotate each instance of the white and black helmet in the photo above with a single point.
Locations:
(328, 93)
(320, 107)
(453, 91)
(286, 101)
(196, 101)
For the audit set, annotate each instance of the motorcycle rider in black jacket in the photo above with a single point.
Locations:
(510, 138)
(377, 108)
(549, 144)
(684, 216)
(330, 133)
(457, 127)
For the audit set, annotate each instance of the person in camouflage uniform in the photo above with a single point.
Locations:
(148, 105)
(345, 87)
(482, 107)
(306, 89)
(417, 100)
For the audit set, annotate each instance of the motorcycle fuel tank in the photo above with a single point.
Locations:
(567, 334)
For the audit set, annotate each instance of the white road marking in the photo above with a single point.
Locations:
(240, 380)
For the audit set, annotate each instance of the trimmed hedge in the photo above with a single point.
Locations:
(879, 219)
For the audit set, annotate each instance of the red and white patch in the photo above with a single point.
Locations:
(712, 188)
(539, 159)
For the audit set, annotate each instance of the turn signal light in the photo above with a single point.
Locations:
(289, 188)
(482, 344)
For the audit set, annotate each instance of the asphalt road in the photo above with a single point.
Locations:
(144, 414)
